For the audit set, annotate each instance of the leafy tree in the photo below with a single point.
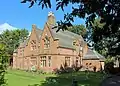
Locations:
(78, 29)
(12, 38)
(3, 64)
(107, 10)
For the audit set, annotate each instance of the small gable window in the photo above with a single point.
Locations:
(46, 42)
(33, 45)
(74, 43)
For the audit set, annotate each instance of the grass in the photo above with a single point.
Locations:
(22, 78)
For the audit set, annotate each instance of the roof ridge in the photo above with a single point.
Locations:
(39, 29)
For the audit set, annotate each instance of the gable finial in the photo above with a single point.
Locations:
(33, 26)
(50, 13)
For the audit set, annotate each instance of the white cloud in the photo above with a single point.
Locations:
(5, 26)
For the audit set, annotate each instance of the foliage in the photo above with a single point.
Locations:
(108, 60)
(78, 29)
(12, 38)
(106, 44)
(3, 64)
(66, 69)
(40, 71)
(109, 68)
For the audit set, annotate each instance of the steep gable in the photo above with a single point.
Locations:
(66, 38)
(35, 34)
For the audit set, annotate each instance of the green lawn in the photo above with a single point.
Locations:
(22, 78)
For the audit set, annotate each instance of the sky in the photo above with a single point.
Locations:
(20, 16)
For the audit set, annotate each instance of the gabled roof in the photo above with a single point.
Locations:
(92, 54)
(66, 37)
(39, 32)
(23, 44)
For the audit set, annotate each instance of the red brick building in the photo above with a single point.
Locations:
(45, 49)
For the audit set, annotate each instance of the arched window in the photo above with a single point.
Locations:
(33, 45)
(46, 42)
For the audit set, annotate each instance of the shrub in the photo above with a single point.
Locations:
(40, 71)
(76, 68)
(65, 69)
(3, 64)
(108, 67)
(56, 70)
(33, 69)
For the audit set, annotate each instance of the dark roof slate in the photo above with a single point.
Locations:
(92, 54)
(66, 38)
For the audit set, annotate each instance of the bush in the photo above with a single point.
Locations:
(3, 64)
(108, 67)
(56, 70)
(66, 69)
(40, 71)
(33, 69)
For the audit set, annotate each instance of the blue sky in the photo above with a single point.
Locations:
(20, 16)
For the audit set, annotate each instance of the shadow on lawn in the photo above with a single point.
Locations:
(93, 79)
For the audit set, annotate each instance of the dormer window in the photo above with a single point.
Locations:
(74, 43)
(33, 45)
(46, 42)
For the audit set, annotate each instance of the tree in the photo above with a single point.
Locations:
(78, 29)
(108, 45)
(3, 64)
(12, 38)
(107, 10)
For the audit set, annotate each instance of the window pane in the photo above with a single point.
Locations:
(67, 60)
(43, 61)
(49, 61)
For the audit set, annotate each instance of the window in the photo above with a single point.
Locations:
(33, 45)
(47, 42)
(90, 63)
(77, 61)
(49, 61)
(43, 61)
(74, 43)
(67, 61)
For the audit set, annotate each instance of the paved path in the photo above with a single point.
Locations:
(111, 81)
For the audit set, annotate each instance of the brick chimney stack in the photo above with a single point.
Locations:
(51, 18)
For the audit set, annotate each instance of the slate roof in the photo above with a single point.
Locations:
(23, 44)
(39, 32)
(66, 38)
(92, 54)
